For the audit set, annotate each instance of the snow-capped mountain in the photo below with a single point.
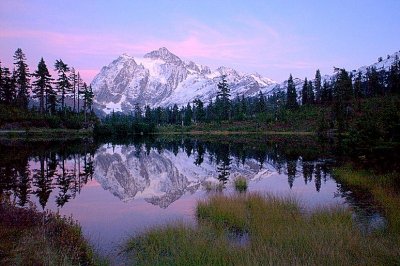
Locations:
(382, 64)
(161, 78)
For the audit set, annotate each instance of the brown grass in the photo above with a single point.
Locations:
(30, 237)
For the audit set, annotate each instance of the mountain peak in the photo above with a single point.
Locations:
(125, 55)
(164, 54)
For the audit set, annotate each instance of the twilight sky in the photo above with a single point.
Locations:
(273, 38)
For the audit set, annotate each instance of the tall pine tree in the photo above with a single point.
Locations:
(42, 84)
(199, 112)
(291, 101)
(21, 79)
(310, 92)
(73, 80)
(342, 96)
(373, 82)
(188, 115)
(223, 103)
(79, 90)
(260, 105)
(7, 89)
(394, 76)
(304, 92)
(63, 84)
(318, 87)
(358, 93)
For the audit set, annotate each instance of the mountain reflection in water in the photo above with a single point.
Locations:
(158, 171)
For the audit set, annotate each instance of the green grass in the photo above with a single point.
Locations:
(279, 234)
(240, 184)
(383, 187)
(30, 237)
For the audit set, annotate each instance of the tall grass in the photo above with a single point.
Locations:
(383, 187)
(30, 237)
(279, 234)
(240, 184)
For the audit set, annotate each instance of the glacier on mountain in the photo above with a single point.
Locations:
(161, 78)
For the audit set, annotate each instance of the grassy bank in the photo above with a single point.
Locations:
(30, 237)
(255, 230)
(45, 134)
(384, 188)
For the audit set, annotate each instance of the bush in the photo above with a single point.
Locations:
(241, 184)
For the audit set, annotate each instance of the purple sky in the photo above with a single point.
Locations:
(273, 38)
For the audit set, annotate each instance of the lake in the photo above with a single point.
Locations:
(118, 188)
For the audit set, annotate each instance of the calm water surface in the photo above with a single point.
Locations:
(118, 190)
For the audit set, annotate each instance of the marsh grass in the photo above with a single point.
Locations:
(30, 237)
(382, 187)
(279, 234)
(240, 184)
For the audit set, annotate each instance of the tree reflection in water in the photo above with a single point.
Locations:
(63, 168)
(41, 168)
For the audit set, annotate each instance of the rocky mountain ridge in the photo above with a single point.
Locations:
(160, 78)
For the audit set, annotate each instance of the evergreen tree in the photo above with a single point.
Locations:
(175, 119)
(89, 96)
(73, 81)
(261, 106)
(223, 103)
(304, 93)
(318, 87)
(2, 82)
(21, 79)
(210, 111)
(199, 112)
(394, 76)
(358, 86)
(8, 90)
(373, 82)
(41, 84)
(291, 102)
(79, 90)
(63, 84)
(147, 114)
(244, 106)
(51, 99)
(138, 113)
(310, 93)
(237, 111)
(343, 86)
(343, 95)
(188, 114)
(84, 94)
(158, 115)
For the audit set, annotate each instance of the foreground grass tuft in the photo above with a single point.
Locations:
(240, 184)
(279, 234)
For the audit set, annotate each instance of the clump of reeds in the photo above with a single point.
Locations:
(240, 184)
